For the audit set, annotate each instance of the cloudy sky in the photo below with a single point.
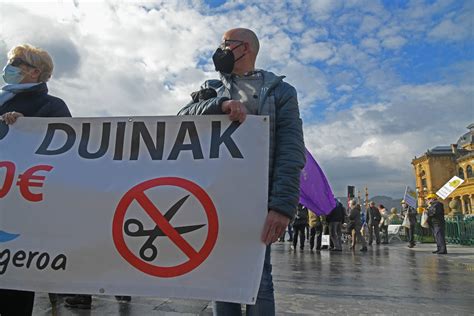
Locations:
(378, 81)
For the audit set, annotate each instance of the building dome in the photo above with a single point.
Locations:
(467, 140)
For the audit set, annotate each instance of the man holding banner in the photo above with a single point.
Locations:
(409, 210)
(243, 90)
(437, 223)
(410, 213)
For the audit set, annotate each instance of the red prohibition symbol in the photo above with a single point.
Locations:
(195, 257)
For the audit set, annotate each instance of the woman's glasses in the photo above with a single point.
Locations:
(18, 61)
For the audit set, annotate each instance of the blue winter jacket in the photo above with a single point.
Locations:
(36, 102)
(279, 101)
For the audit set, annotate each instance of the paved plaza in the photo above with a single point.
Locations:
(387, 280)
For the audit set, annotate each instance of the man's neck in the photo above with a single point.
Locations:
(242, 73)
(244, 69)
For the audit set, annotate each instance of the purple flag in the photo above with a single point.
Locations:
(315, 192)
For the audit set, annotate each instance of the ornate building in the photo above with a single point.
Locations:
(438, 165)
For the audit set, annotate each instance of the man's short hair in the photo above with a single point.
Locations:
(254, 41)
(34, 56)
(250, 37)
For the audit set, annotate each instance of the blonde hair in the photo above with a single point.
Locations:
(35, 56)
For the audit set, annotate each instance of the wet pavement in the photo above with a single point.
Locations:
(386, 280)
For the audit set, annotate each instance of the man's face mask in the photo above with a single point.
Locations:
(12, 74)
(224, 59)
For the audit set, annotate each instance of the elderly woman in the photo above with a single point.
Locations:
(26, 94)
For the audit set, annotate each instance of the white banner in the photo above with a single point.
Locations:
(154, 206)
(410, 197)
(449, 187)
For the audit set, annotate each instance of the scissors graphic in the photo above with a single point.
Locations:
(148, 251)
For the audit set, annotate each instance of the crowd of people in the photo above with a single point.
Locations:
(355, 226)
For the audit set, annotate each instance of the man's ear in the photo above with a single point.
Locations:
(247, 47)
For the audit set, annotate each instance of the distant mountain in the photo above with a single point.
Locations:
(386, 201)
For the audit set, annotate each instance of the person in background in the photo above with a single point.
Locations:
(373, 221)
(26, 94)
(315, 230)
(354, 225)
(394, 217)
(335, 219)
(299, 226)
(410, 232)
(363, 218)
(437, 223)
(384, 222)
(290, 232)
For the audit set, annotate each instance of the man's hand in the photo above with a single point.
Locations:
(275, 225)
(235, 109)
(11, 117)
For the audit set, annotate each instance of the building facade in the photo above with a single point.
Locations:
(435, 167)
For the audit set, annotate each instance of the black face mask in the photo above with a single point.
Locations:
(224, 59)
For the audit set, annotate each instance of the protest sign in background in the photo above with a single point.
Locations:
(410, 197)
(449, 187)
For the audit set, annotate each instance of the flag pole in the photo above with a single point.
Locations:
(366, 198)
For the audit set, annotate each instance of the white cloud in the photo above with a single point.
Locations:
(369, 24)
(374, 8)
(143, 61)
(135, 63)
(322, 9)
(344, 88)
(315, 52)
(313, 34)
(390, 29)
(390, 134)
(419, 10)
(394, 42)
(277, 48)
(382, 149)
(310, 83)
(448, 30)
(382, 78)
(351, 55)
(371, 45)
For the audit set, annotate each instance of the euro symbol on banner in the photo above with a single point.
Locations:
(152, 234)
(28, 179)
